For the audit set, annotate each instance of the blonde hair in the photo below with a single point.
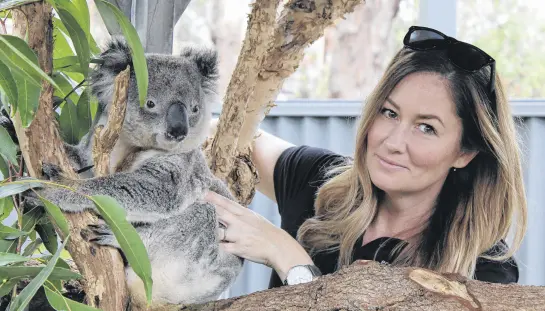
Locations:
(476, 206)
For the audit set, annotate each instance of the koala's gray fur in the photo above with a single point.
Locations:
(162, 188)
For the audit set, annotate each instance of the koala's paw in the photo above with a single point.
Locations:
(51, 171)
(103, 235)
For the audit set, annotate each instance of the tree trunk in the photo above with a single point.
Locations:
(368, 285)
(356, 68)
(41, 142)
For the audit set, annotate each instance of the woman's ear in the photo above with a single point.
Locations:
(464, 158)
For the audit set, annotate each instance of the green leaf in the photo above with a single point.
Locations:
(57, 216)
(9, 233)
(129, 240)
(68, 122)
(65, 85)
(30, 219)
(32, 247)
(28, 99)
(59, 302)
(66, 64)
(49, 236)
(58, 273)
(10, 188)
(84, 113)
(7, 258)
(61, 47)
(7, 84)
(137, 51)
(7, 287)
(8, 149)
(4, 169)
(6, 207)
(19, 57)
(78, 37)
(22, 300)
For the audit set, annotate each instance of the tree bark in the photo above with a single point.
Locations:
(255, 84)
(356, 68)
(41, 142)
(368, 285)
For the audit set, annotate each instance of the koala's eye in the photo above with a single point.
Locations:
(150, 104)
(195, 109)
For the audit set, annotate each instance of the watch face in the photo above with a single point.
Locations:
(298, 275)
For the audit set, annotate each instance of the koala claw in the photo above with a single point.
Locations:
(100, 229)
(103, 235)
(51, 171)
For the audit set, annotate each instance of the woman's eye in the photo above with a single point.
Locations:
(150, 104)
(195, 109)
(388, 113)
(427, 129)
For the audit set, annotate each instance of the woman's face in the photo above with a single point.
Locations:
(415, 139)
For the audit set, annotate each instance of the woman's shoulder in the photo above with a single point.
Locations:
(300, 170)
(493, 271)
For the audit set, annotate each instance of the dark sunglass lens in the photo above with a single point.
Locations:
(426, 39)
(467, 57)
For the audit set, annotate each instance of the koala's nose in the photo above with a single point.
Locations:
(177, 122)
(176, 133)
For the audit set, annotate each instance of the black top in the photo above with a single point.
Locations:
(298, 174)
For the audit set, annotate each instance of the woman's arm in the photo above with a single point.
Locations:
(267, 148)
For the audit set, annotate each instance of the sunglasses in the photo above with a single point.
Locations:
(463, 55)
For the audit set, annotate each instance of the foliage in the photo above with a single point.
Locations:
(33, 236)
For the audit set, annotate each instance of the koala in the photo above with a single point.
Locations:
(158, 175)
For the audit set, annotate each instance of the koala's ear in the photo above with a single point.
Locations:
(117, 55)
(205, 58)
(115, 58)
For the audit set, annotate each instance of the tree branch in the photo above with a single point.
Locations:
(300, 24)
(41, 142)
(368, 285)
(105, 138)
(222, 154)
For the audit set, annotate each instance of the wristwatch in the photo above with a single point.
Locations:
(302, 274)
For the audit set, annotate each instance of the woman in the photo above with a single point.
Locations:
(436, 179)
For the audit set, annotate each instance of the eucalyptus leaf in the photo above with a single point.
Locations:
(8, 149)
(7, 258)
(61, 47)
(32, 247)
(68, 122)
(59, 302)
(78, 37)
(57, 216)
(58, 273)
(19, 57)
(48, 236)
(9, 233)
(65, 85)
(6, 207)
(132, 246)
(84, 113)
(8, 84)
(11, 188)
(137, 51)
(7, 286)
(4, 169)
(22, 300)
(29, 220)
(28, 99)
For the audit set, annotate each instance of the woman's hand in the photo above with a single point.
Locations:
(251, 236)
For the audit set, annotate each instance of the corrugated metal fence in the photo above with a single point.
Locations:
(332, 125)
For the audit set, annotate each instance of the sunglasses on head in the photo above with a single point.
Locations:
(463, 55)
